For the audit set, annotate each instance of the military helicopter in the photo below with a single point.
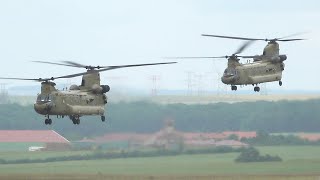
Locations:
(89, 98)
(267, 67)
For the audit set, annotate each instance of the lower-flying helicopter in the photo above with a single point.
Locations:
(267, 67)
(89, 98)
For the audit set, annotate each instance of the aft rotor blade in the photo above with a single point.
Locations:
(207, 57)
(110, 68)
(233, 37)
(74, 75)
(68, 63)
(291, 35)
(134, 65)
(285, 40)
(61, 64)
(83, 73)
(74, 64)
(256, 39)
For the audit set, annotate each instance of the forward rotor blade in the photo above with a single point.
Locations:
(27, 79)
(243, 47)
(249, 56)
(233, 37)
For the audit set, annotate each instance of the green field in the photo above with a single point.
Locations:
(298, 162)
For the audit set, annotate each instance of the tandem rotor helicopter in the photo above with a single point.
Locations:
(267, 67)
(89, 98)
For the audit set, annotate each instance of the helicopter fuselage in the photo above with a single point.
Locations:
(253, 73)
(70, 103)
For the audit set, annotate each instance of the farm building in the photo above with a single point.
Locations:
(33, 140)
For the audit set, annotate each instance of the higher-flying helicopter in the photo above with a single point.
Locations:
(267, 67)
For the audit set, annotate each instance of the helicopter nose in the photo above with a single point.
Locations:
(228, 79)
(43, 108)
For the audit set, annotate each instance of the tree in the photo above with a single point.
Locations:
(251, 154)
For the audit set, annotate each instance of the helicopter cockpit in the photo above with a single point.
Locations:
(44, 98)
(229, 72)
(229, 75)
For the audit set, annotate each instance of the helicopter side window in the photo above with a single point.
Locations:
(44, 98)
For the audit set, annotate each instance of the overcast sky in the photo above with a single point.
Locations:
(144, 31)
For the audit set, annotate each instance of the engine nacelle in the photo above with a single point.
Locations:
(74, 87)
(100, 89)
(105, 88)
(279, 58)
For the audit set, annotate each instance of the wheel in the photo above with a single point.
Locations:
(103, 118)
(258, 89)
(49, 121)
(280, 83)
(78, 121)
(235, 88)
(46, 121)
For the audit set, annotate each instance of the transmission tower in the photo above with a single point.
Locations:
(154, 89)
(190, 83)
(4, 98)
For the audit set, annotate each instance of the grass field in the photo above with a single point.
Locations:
(299, 162)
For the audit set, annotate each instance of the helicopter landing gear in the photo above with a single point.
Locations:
(233, 88)
(75, 119)
(256, 89)
(103, 118)
(280, 83)
(47, 121)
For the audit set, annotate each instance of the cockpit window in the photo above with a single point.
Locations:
(44, 98)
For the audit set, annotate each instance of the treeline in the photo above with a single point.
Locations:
(265, 139)
(247, 154)
(146, 117)
(98, 155)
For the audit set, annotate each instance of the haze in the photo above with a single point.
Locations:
(143, 31)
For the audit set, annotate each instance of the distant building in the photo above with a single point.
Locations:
(241, 134)
(24, 140)
(310, 136)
